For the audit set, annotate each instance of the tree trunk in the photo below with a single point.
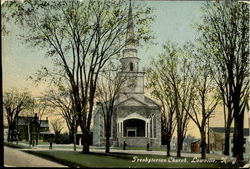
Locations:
(168, 147)
(227, 140)
(238, 137)
(12, 133)
(71, 137)
(85, 141)
(203, 144)
(179, 144)
(75, 131)
(107, 141)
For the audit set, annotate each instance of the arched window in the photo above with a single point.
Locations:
(131, 66)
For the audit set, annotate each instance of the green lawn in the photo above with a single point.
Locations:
(120, 160)
(142, 148)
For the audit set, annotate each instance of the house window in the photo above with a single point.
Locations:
(131, 66)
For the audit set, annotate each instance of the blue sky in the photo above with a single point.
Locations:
(173, 22)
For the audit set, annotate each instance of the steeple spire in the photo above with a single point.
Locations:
(130, 39)
(130, 61)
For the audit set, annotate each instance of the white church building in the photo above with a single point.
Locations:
(136, 118)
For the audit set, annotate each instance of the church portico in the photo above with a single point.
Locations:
(134, 125)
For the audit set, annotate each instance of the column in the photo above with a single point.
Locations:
(149, 129)
(117, 129)
(122, 128)
(152, 126)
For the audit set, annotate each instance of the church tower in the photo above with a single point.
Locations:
(136, 118)
(134, 85)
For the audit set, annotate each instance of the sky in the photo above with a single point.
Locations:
(173, 23)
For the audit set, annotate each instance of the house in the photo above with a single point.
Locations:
(5, 132)
(136, 118)
(32, 129)
(195, 146)
(79, 136)
(217, 137)
(186, 146)
(246, 144)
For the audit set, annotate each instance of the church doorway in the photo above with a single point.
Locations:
(134, 128)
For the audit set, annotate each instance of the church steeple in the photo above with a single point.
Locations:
(130, 38)
(134, 83)
(130, 61)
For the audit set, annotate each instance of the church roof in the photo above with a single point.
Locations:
(148, 100)
(132, 101)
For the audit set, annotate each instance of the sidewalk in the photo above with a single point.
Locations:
(69, 147)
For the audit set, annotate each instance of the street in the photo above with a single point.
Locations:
(16, 158)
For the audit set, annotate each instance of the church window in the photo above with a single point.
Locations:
(131, 66)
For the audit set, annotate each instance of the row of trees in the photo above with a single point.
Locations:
(191, 80)
(80, 37)
(182, 81)
(20, 103)
(83, 36)
(16, 103)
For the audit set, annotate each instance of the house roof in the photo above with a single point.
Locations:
(195, 141)
(24, 120)
(222, 130)
(47, 133)
(44, 123)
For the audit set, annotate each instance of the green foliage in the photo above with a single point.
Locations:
(62, 139)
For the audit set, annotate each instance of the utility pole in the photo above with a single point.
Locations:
(208, 133)
(208, 140)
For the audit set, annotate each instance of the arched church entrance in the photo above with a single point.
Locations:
(134, 128)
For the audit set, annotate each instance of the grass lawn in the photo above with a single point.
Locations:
(142, 148)
(120, 160)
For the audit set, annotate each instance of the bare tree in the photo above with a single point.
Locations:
(15, 102)
(81, 36)
(161, 91)
(62, 100)
(225, 37)
(108, 89)
(39, 107)
(174, 65)
(57, 127)
(205, 96)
